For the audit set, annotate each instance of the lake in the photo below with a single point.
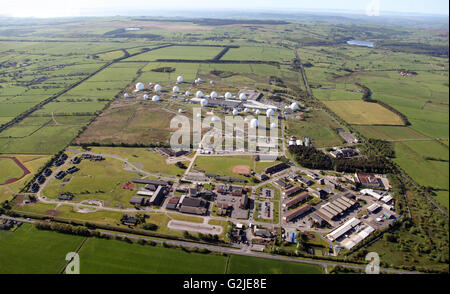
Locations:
(360, 43)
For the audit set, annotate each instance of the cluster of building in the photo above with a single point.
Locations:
(170, 152)
(188, 205)
(344, 153)
(336, 208)
(293, 141)
(152, 194)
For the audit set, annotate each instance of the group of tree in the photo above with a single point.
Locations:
(313, 158)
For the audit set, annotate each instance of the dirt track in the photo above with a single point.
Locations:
(25, 170)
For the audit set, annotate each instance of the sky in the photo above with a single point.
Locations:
(60, 8)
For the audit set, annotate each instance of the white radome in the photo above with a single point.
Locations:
(145, 96)
(235, 112)
(246, 110)
(269, 112)
(242, 97)
(213, 119)
(199, 94)
(228, 95)
(175, 89)
(294, 106)
(187, 93)
(157, 88)
(273, 125)
(140, 86)
(246, 119)
(257, 112)
(199, 115)
(150, 84)
(213, 94)
(156, 98)
(203, 102)
(126, 95)
(180, 79)
(180, 110)
(254, 123)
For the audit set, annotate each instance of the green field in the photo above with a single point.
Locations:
(108, 256)
(250, 265)
(28, 250)
(432, 171)
(9, 170)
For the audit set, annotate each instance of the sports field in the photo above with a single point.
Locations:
(223, 165)
(358, 112)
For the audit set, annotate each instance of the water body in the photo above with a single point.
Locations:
(360, 43)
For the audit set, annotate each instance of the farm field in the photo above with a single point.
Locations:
(427, 163)
(179, 52)
(250, 265)
(138, 123)
(28, 250)
(107, 256)
(390, 132)
(358, 112)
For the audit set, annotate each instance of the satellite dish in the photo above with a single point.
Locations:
(140, 86)
(254, 123)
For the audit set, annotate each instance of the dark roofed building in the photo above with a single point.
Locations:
(157, 196)
(193, 210)
(276, 168)
(297, 212)
(292, 191)
(300, 198)
(243, 202)
(172, 203)
(193, 202)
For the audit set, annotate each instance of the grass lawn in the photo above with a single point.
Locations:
(150, 161)
(363, 113)
(318, 126)
(251, 265)
(28, 250)
(108, 256)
